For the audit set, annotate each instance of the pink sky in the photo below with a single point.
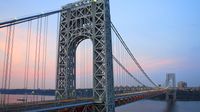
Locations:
(19, 60)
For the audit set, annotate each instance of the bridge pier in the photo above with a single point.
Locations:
(171, 100)
(171, 96)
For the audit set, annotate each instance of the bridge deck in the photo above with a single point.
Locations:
(120, 99)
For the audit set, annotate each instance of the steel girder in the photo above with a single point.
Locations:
(86, 19)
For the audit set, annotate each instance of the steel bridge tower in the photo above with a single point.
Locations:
(171, 84)
(86, 19)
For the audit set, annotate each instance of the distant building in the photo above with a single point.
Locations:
(182, 85)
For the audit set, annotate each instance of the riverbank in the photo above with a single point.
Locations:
(183, 95)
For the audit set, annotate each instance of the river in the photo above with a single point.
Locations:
(159, 106)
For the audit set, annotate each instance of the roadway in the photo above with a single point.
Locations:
(120, 99)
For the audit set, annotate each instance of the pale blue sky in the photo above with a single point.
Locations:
(161, 33)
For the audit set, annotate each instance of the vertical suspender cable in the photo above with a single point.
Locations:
(26, 72)
(120, 69)
(25, 67)
(7, 58)
(121, 76)
(78, 81)
(85, 46)
(44, 56)
(117, 53)
(124, 60)
(115, 65)
(42, 61)
(39, 49)
(123, 73)
(113, 50)
(4, 62)
(11, 58)
(26, 56)
(121, 58)
(35, 60)
(81, 64)
(57, 45)
(77, 68)
(84, 65)
(7, 63)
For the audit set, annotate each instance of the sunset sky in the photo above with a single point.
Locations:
(164, 35)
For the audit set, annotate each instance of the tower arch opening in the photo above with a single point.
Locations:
(84, 68)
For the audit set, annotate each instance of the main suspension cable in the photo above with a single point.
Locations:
(130, 53)
(122, 66)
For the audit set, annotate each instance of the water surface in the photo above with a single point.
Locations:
(159, 106)
(139, 106)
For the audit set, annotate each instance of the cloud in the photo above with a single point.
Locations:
(149, 64)
(160, 63)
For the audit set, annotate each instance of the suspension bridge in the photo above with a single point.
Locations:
(115, 76)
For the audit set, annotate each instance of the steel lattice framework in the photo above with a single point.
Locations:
(86, 19)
